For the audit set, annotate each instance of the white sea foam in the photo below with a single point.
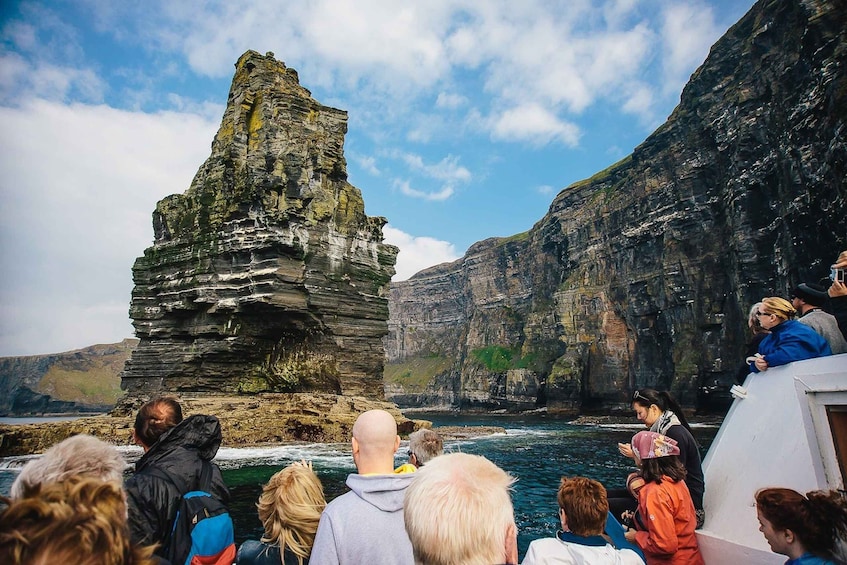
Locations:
(336, 455)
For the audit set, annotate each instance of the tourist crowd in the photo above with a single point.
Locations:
(72, 506)
(69, 506)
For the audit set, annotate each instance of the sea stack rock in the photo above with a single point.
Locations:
(265, 275)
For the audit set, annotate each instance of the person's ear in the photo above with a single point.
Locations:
(789, 536)
(396, 443)
(563, 518)
(355, 443)
(510, 551)
(413, 459)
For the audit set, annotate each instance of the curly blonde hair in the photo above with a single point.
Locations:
(77, 521)
(290, 508)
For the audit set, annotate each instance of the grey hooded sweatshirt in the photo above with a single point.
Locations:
(365, 526)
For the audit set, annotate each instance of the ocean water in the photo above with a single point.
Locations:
(537, 450)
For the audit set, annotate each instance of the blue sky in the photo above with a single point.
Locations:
(466, 117)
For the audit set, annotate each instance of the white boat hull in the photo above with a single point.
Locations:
(778, 435)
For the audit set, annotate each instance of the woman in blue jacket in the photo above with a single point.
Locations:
(789, 340)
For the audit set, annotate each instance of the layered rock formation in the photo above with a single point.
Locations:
(83, 380)
(642, 275)
(266, 275)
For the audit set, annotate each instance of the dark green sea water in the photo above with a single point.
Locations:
(537, 450)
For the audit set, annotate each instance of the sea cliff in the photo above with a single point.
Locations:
(642, 275)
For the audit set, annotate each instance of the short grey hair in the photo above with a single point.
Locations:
(79, 455)
(425, 444)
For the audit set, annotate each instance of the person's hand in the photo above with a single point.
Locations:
(625, 449)
(841, 262)
(630, 535)
(303, 463)
(627, 515)
(761, 364)
(837, 288)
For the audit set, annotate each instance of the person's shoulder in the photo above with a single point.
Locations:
(339, 502)
(253, 552)
(144, 479)
(809, 559)
(679, 433)
(545, 547)
(629, 557)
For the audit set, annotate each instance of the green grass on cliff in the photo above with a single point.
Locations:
(499, 359)
(97, 385)
(416, 373)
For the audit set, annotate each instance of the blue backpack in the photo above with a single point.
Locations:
(202, 532)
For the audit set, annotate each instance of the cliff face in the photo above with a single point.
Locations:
(84, 380)
(266, 275)
(642, 275)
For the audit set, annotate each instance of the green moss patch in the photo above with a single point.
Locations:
(415, 374)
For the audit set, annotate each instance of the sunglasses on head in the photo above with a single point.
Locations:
(637, 395)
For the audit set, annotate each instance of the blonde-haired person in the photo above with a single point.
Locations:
(290, 508)
(76, 521)
(789, 340)
(757, 333)
(458, 511)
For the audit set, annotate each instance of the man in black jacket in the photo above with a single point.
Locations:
(177, 449)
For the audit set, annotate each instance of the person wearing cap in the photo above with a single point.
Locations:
(808, 300)
(665, 531)
(788, 341)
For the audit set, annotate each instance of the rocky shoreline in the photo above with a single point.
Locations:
(262, 419)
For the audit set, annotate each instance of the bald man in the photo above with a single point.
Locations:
(365, 525)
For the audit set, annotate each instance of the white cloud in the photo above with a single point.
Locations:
(616, 11)
(448, 169)
(639, 101)
(546, 190)
(450, 101)
(208, 110)
(367, 163)
(534, 124)
(528, 53)
(21, 80)
(79, 186)
(417, 253)
(406, 188)
(688, 30)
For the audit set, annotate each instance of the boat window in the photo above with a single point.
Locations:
(837, 416)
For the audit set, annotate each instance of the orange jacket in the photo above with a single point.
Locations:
(668, 513)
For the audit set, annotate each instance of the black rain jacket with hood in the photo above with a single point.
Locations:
(179, 452)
